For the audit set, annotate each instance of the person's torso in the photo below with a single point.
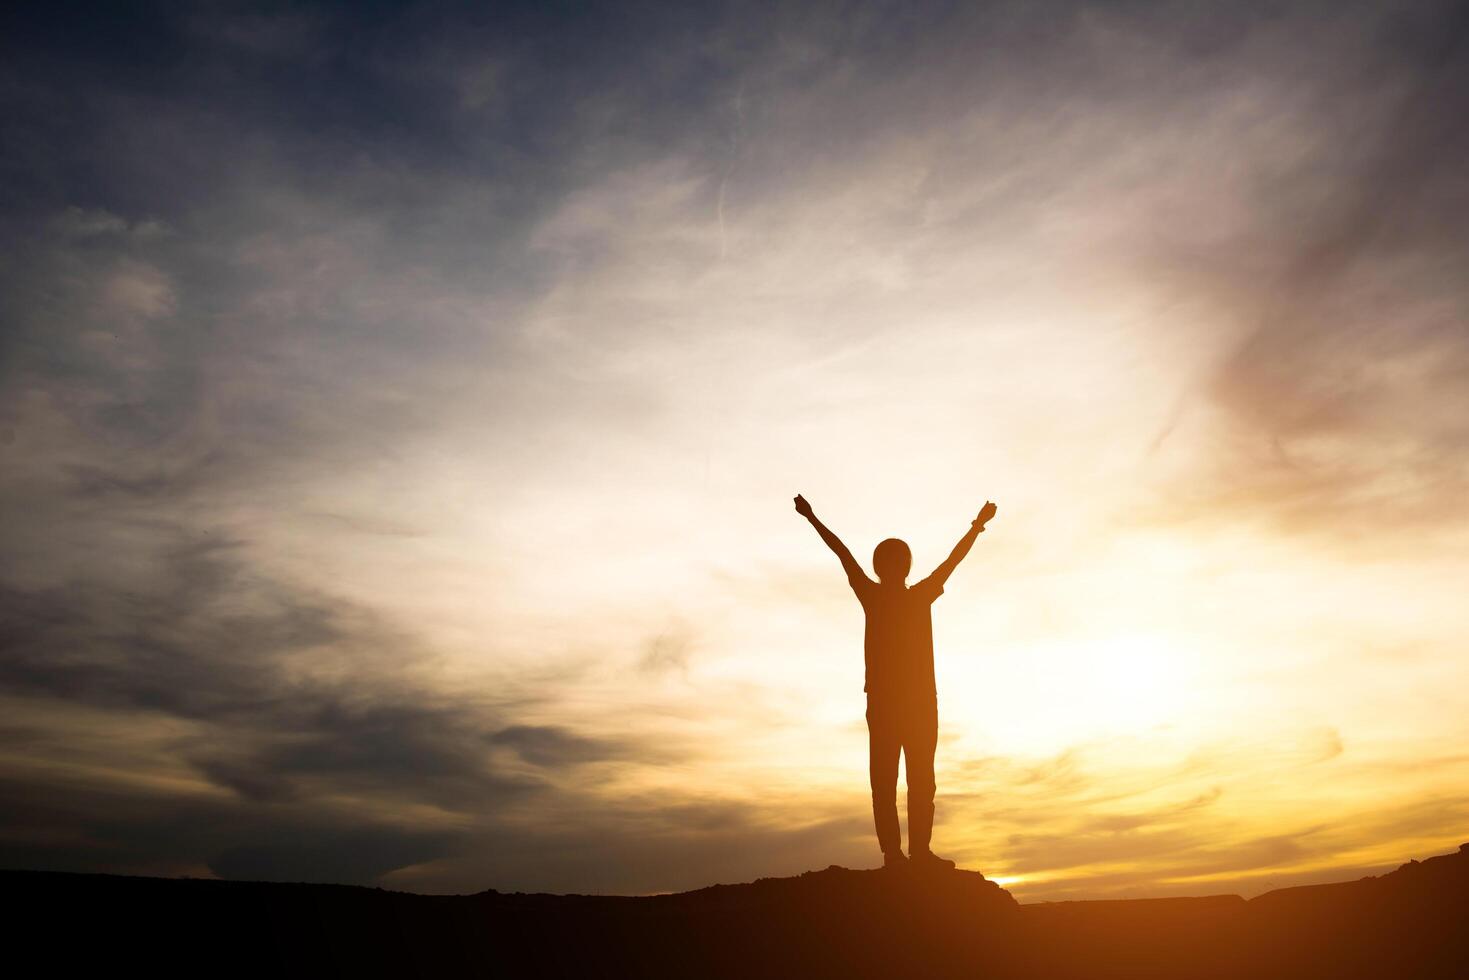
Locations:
(898, 642)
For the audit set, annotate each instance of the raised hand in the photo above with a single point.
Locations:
(985, 513)
(802, 507)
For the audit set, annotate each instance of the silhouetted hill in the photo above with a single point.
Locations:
(1412, 922)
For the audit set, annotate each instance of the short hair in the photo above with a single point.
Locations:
(891, 559)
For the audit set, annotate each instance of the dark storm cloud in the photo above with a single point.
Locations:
(247, 661)
(155, 647)
(549, 745)
(175, 480)
(335, 855)
(210, 640)
(61, 825)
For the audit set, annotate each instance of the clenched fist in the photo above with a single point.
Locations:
(802, 507)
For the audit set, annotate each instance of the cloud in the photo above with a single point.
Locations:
(549, 745)
(1338, 402)
(668, 652)
(337, 855)
(85, 223)
(74, 826)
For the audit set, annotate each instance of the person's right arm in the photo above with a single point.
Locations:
(855, 575)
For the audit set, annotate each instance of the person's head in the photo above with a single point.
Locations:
(891, 560)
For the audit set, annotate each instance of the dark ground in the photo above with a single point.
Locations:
(1413, 922)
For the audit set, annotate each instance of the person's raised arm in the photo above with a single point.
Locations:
(941, 574)
(849, 564)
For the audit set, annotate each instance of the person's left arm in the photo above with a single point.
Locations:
(946, 568)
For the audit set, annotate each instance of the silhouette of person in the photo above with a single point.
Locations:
(902, 698)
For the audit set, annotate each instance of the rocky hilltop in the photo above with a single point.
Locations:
(1413, 922)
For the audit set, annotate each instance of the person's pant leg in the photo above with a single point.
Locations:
(920, 739)
(884, 742)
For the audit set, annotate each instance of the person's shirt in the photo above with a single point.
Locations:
(898, 641)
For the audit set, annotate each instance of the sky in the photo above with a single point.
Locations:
(401, 409)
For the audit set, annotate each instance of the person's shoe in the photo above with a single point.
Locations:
(894, 861)
(929, 861)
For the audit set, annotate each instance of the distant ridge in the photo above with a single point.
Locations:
(1413, 922)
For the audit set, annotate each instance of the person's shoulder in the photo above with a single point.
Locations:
(928, 589)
